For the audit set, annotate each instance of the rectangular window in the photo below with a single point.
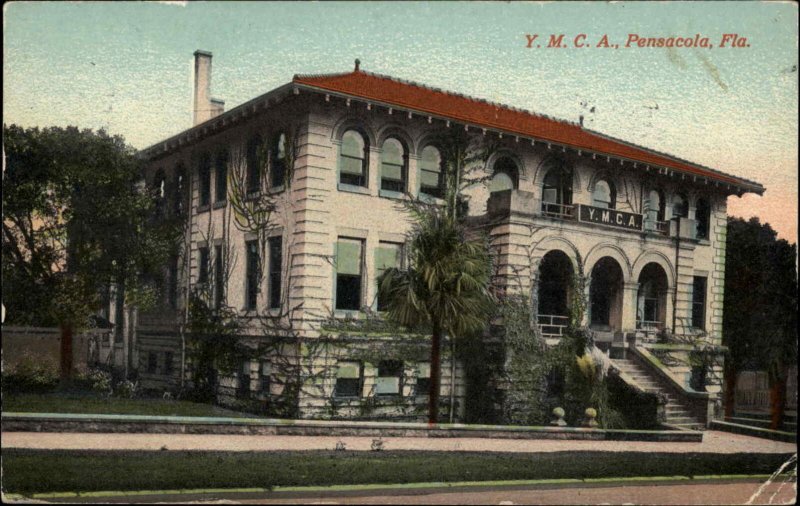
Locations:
(243, 389)
(222, 177)
(172, 291)
(252, 275)
(275, 259)
(423, 379)
(168, 365)
(349, 259)
(348, 379)
(254, 165)
(278, 160)
(388, 255)
(264, 377)
(219, 277)
(699, 302)
(390, 377)
(205, 182)
(152, 362)
(202, 276)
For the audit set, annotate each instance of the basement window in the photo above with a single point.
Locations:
(349, 377)
(390, 377)
(423, 379)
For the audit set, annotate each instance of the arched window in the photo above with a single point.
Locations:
(221, 176)
(680, 206)
(393, 166)
(431, 172)
(604, 194)
(557, 192)
(703, 217)
(655, 205)
(180, 189)
(160, 187)
(504, 176)
(254, 164)
(353, 159)
(205, 180)
(278, 160)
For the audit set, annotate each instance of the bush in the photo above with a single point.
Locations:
(127, 389)
(31, 375)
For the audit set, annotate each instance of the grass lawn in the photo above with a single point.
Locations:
(39, 471)
(64, 402)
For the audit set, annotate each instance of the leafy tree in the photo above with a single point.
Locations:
(760, 319)
(74, 220)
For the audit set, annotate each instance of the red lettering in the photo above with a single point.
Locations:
(556, 41)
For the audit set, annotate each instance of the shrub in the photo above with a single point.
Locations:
(31, 375)
(127, 389)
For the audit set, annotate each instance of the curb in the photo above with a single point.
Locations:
(411, 488)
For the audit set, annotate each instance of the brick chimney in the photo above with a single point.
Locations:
(205, 107)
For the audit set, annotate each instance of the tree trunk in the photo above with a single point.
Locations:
(777, 399)
(731, 376)
(435, 378)
(66, 351)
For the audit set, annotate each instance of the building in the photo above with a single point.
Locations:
(294, 245)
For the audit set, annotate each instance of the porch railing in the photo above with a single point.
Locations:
(562, 211)
(552, 325)
(649, 327)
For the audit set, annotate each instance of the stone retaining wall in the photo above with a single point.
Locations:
(28, 422)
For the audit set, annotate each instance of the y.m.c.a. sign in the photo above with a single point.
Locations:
(610, 217)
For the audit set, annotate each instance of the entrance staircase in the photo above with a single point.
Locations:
(678, 412)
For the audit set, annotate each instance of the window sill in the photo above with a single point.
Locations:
(342, 187)
(430, 199)
(703, 242)
(220, 204)
(355, 314)
(277, 189)
(389, 194)
(204, 208)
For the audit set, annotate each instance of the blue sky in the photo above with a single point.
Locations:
(127, 67)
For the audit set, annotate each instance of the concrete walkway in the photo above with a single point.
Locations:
(713, 442)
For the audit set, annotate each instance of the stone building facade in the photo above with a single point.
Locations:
(294, 247)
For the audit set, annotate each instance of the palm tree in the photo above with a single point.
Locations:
(445, 286)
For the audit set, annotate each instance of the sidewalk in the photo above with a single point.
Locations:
(713, 442)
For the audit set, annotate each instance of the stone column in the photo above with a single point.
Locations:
(630, 290)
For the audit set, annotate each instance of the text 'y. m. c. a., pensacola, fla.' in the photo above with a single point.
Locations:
(632, 40)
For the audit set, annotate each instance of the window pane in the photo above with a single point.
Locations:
(252, 275)
(602, 194)
(348, 257)
(430, 179)
(348, 292)
(679, 207)
(352, 165)
(219, 277)
(387, 255)
(352, 144)
(275, 259)
(393, 172)
(392, 152)
(348, 370)
(430, 160)
(501, 181)
(698, 302)
(203, 275)
(280, 148)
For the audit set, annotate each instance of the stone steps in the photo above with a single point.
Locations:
(677, 413)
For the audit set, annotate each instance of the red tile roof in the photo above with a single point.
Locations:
(416, 97)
